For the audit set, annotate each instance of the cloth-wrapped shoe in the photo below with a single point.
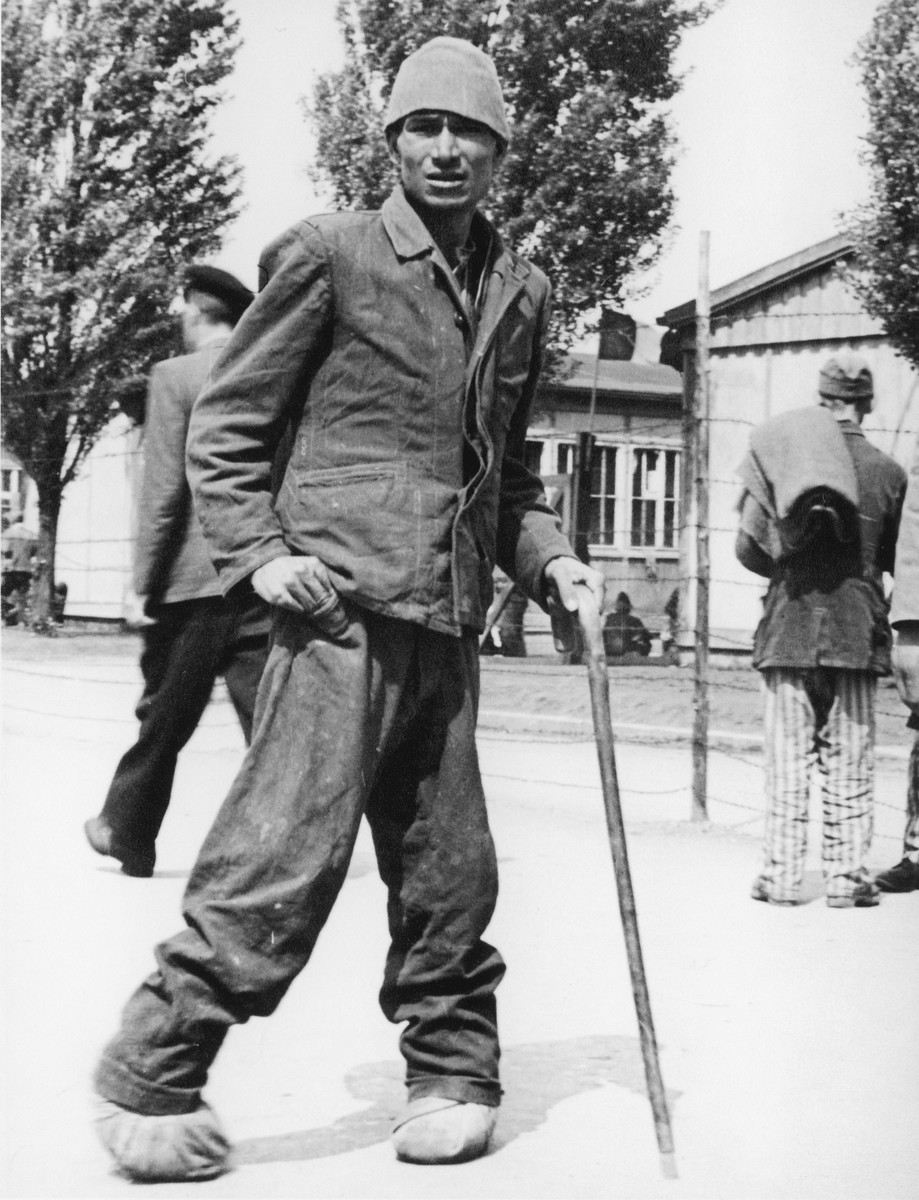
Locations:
(862, 895)
(436, 1130)
(163, 1149)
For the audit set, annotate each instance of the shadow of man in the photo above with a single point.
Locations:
(536, 1076)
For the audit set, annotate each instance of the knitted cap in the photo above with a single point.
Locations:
(449, 75)
(846, 376)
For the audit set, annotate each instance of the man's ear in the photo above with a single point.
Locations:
(392, 136)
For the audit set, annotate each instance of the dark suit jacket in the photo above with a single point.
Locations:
(172, 562)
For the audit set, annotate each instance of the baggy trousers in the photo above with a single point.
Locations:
(823, 717)
(191, 643)
(379, 722)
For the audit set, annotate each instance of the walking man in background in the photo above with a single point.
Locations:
(190, 633)
(819, 518)
(904, 617)
(406, 345)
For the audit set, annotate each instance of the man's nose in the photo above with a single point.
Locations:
(445, 144)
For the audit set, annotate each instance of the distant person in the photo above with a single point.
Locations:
(818, 517)
(670, 637)
(191, 635)
(510, 624)
(623, 632)
(505, 634)
(904, 617)
(19, 545)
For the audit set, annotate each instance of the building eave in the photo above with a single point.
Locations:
(804, 262)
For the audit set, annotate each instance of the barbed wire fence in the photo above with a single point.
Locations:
(110, 554)
(68, 723)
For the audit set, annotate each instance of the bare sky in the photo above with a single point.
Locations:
(769, 122)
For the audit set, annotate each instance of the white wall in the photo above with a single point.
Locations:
(96, 528)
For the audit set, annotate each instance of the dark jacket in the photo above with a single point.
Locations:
(624, 633)
(825, 606)
(171, 559)
(406, 476)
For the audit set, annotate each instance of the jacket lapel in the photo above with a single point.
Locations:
(410, 239)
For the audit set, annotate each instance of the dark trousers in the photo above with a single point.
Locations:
(380, 722)
(192, 642)
(911, 836)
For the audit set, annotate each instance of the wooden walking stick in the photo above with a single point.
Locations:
(589, 619)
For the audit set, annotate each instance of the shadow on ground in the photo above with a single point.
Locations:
(536, 1077)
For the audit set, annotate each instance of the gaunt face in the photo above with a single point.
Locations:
(446, 161)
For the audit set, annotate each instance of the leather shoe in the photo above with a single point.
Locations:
(101, 837)
(436, 1130)
(904, 877)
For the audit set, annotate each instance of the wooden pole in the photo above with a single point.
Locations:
(686, 604)
(703, 566)
(592, 636)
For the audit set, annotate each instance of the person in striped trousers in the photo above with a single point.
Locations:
(824, 638)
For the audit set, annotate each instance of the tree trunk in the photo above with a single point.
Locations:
(41, 615)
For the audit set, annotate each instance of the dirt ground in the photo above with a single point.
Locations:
(788, 1037)
(767, 1018)
(658, 696)
(651, 694)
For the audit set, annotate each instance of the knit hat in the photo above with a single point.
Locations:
(449, 74)
(846, 376)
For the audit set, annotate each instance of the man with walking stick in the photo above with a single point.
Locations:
(403, 348)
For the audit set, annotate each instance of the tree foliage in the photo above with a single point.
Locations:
(107, 191)
(584, 190)
(885, 230)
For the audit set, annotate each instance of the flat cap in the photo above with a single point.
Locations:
(214, 282)
(846, 376)
(449, 74)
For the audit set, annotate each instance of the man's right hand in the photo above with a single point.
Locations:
(301, 584)
(906, 664)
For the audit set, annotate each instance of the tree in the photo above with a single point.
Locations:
(885, 230)
(107, 192)
(584, 190)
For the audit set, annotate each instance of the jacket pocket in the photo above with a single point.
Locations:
(351, 473)
(364, 520)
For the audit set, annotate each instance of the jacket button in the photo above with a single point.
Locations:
(459, 320)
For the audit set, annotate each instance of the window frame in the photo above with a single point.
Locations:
(661, 500)
(627, 452)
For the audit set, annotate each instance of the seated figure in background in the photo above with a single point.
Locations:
(623, 632)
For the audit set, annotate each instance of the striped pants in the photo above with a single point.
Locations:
(825, 717)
